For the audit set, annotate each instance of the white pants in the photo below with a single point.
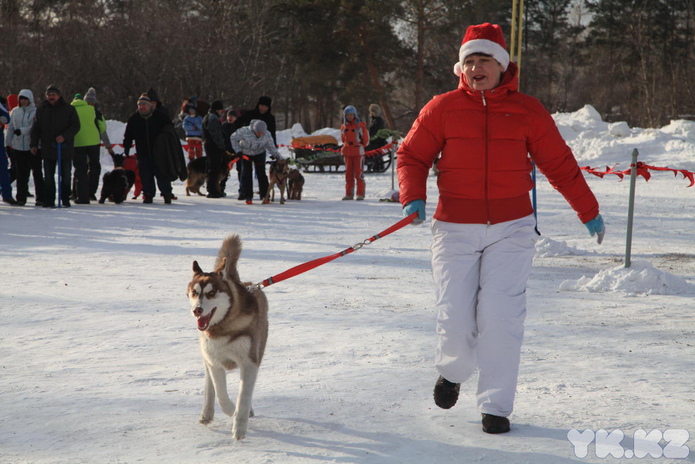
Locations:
(480, 275)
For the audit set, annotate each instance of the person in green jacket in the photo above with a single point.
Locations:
(94, 159)
(87, 143)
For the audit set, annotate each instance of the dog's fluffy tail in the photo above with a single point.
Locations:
(230, 250)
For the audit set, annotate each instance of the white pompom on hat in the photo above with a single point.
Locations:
(487, 39)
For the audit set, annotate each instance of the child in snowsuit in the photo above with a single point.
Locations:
(193, 126)
(354, 135)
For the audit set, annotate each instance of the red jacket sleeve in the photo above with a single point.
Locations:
(417, 154)
(556, 161)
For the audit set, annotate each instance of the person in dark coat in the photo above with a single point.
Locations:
(263, 112)
(143, 127)
(376, 122)
(228, 128)
(56, 124)
(214, 148)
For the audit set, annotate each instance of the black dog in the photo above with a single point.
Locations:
(117, 183)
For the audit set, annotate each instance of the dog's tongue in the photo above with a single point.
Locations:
(204, 321)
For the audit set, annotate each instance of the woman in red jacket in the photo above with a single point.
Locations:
(354, 135)
(485, 135)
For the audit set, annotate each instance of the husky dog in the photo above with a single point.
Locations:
(233, 325)
(277, 176)
(117, 183)
(295, 185)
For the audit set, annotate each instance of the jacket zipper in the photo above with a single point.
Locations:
(487, 162)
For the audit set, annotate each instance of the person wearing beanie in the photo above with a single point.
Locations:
(144, 127)
(376, 122)
(354, 135)
(263, 111)
(94, 160)
(252, 142)
(214, 148)
(228, 128)
(56, 124)
(91, 96)
(485, 135)
(19, 141)
(87, 150)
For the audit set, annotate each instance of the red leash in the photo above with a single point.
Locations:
(302, 268)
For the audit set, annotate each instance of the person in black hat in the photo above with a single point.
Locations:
(143, 127)
(263, 112)
(56, 124)
(214, 148)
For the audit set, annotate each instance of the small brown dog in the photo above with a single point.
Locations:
(295, 185)
(279, 171)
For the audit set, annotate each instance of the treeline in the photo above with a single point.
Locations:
(631, 59)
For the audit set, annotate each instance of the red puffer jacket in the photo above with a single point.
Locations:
(485, 139)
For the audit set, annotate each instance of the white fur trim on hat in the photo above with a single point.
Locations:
(484, 46)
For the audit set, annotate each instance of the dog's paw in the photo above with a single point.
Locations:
(238, 432)
(205, 420)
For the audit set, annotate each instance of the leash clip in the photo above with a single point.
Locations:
(359, 245)
(254, 287)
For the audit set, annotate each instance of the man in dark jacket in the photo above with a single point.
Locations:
(263, 112)
(143, 127)
(214, 148)
(55, 127)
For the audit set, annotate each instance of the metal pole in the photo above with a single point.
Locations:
(520, 29)
(393, 169)
(512, 35)
(631, 208)
(60, 179)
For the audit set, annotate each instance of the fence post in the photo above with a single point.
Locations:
(631, 208)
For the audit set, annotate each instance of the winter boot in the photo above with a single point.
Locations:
(495, 424)
(446, 393)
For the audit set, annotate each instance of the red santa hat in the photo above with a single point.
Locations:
(487, 39)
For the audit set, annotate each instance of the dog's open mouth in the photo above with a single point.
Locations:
(204, 321)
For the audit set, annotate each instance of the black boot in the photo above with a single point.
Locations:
(446, 393)
(495, 424)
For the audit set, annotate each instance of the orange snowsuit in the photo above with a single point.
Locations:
(355, 137)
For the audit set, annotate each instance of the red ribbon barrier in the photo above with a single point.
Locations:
(377, 151)
(642, 170)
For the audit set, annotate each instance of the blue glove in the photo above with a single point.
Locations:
(596, 227)
(415, 206)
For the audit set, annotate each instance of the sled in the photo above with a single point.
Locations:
(320, 153)
(317, 153)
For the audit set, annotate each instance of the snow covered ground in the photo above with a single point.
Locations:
(99, 356)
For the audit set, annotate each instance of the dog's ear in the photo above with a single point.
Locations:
(196, 268)
(220, 268)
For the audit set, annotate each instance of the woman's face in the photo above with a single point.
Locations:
(23, 101)
(482, 72)
(350, 116)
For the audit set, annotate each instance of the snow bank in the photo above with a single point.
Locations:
(640, 279)
(547, 247)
